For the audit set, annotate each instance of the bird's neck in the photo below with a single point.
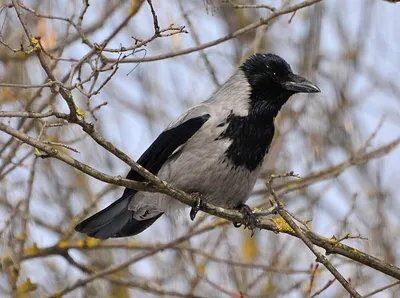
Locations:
(263, 112)
(264, 106)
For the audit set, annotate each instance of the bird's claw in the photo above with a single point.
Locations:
(197, 206)
(237, 224)
(251, 220)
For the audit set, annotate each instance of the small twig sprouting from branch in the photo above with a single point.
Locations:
(313, 272)
(60, 145)
(257, 6)
(349, 236)
(320, 257)
(382, 289)
(155, 19)
(325, 287)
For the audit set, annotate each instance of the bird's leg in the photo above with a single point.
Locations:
(250, 219)
(199, 202)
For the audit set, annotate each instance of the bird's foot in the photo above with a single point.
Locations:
(197, 206)
(250, 219)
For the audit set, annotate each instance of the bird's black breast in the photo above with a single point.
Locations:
(250, 138)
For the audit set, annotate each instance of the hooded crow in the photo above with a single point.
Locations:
(215, 149)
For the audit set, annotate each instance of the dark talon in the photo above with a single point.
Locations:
(250, 219)
(197, 206)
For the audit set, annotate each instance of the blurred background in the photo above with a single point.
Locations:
(348, 48)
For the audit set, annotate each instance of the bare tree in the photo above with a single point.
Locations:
(86, 85)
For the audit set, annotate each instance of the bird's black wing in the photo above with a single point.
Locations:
(166, 143)
(117, 220)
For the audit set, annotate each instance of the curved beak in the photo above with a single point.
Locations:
(296, 83)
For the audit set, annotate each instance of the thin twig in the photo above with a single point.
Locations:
(155, 19)
(257, 6)
(196, 39)
(66, 94)
(326, 286)
(382, 289)
(262, 21)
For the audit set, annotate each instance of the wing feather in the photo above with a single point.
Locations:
(166, 143)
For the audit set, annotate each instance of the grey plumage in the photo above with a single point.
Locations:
(218, 149)
(202, 160)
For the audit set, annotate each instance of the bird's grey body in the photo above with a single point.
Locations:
(215, 149)
(202, 158)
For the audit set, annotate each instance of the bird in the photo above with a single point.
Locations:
(214, 149)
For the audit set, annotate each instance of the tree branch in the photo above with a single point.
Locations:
(155, 184)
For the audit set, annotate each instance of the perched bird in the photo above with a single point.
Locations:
(214, 149)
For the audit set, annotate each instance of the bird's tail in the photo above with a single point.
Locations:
(114, 221)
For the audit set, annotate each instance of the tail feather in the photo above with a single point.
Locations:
(134, 227)
(114, 221)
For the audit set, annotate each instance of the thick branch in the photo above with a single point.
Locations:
(331, 247)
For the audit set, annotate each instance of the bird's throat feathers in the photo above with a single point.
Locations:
(263, 112)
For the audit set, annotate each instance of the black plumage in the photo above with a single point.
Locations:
(251, 138)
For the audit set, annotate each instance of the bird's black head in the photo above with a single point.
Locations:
(271, 79)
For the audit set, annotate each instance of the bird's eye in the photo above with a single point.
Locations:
(274, 74)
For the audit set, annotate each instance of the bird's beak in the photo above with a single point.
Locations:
(296, 83)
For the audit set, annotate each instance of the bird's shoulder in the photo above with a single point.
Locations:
(195, 111)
